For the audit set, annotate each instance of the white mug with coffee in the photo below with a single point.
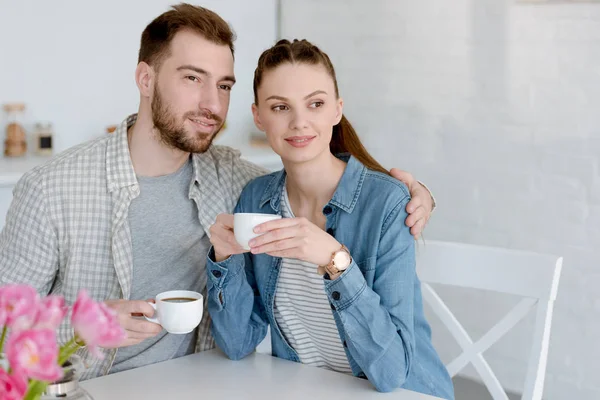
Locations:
(244, 224)
(178, 311)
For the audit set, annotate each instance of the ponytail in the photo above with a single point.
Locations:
(345, 140)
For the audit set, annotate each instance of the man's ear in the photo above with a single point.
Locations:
(144, 79)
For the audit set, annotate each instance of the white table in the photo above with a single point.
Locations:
(210, 375)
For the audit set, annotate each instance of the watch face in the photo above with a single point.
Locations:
(341, 260)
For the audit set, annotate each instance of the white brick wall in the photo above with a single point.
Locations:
(495, 105)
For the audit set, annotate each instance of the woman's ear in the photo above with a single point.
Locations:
(256, 116)
(339, 111)
(144, 79)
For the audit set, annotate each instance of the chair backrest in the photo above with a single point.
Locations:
(530, 275)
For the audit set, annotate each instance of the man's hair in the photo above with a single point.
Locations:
(157, 36)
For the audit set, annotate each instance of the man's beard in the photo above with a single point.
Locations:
(173, 134)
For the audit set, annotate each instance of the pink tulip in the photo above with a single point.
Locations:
(18, 306)
(12, 387)
(34, 353)
(96, 324)
(51, 311)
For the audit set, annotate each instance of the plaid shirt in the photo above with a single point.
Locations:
(67, 228)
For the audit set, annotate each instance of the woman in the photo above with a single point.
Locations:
(335, 277)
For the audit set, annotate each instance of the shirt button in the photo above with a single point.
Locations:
(335, 295)
(216, 273)
(331, 232)
(327, 210)
(332, 307)
(345, 345)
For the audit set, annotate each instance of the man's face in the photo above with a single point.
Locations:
(191, 92)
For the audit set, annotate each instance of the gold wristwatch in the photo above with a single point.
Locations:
(340, 261)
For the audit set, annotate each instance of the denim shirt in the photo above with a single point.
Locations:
(376, 302)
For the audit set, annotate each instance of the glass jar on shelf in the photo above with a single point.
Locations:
(15, 144)
(43, 139)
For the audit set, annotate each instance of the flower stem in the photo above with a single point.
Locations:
(3, 337)
(35, 390)
(67, 350)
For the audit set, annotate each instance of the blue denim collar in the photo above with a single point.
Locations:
(345, 196)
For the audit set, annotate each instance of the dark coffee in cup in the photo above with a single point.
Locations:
(179, 299)
(178, 311)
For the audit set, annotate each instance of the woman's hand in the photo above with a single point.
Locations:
(222, 238)
(294, 238)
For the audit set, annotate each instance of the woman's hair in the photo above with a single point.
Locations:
(344, 138)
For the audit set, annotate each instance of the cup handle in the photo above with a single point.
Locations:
(155, 319)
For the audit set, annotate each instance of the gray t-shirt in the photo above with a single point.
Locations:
(169, 253)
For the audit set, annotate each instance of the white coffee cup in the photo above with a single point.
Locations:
(244, 224)
(178, 311)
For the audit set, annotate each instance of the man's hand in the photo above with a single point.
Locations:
(137, 329)
(421, 204)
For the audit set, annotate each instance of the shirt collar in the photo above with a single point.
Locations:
(119, 168)
(345, 196)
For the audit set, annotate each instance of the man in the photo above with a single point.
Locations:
(127, 217)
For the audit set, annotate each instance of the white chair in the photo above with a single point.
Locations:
(530, 275)
(264, 347)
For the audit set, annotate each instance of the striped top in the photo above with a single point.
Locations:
(303, 313)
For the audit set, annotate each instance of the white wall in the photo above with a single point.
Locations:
(72, 62)
(495, 105)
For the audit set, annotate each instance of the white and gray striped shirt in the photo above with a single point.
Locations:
(303, 313)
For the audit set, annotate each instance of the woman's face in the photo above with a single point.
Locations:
(297, 109)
